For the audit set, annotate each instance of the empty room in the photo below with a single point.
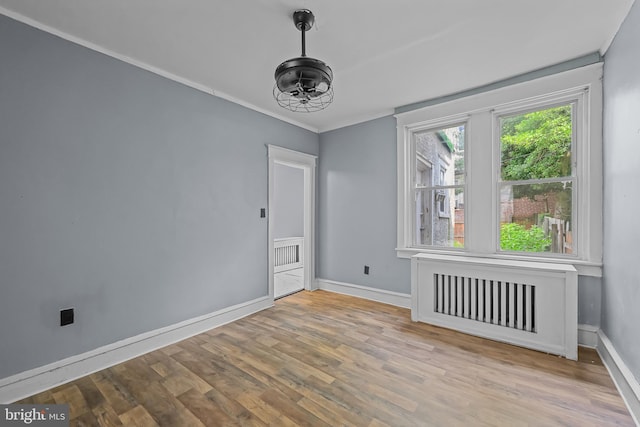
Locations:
(314, 213)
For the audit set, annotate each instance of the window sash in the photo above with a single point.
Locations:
(538, 181)
(447, 213)
(438, 187)
(576, 104)
(436, 170)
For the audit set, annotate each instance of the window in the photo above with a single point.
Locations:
(435, 199)
(536, 181)
(511, 173)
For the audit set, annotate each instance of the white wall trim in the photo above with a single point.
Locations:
(155, 70)
(588, 336)
(292, 157)
(584, 268)
(626, 383)
(33, 381)
(380, 295)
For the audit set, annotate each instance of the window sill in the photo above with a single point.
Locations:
(584, 268)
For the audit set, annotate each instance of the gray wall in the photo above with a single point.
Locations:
(357, 207)
(589, 300)
(130, 197)
(621, 277)
(287, 210)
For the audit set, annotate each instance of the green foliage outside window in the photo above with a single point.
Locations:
(536, 145)
(515, 237)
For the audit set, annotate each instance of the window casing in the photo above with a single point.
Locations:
(483, 184)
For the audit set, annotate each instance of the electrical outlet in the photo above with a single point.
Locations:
(66, 316)
(263, 212)
(366, 269)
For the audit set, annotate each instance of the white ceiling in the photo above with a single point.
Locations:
(384, 54)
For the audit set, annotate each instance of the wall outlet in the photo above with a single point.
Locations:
(263, 212)
(66, 316)
(366, 269)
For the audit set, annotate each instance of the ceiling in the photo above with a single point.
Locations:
(383, 54)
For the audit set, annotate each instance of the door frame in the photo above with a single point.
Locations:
(306, 162)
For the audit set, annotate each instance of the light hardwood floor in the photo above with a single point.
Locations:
(324, 359)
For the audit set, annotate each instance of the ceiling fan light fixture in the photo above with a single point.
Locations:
(303, 84)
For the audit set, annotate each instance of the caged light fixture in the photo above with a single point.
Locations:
(303, 84)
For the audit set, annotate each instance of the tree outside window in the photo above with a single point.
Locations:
(536, 181)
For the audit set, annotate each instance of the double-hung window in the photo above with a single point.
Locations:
(509, 173)
(537, 180)
(438, 186)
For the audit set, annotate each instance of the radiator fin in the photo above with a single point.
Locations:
(497, 302)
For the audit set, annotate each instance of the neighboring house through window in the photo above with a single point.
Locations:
(435, 196)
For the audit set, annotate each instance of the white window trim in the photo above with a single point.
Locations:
(480, 113)
(409, 157)
(578, 97)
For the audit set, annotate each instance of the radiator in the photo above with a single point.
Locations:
(530, 304)
(287, 254)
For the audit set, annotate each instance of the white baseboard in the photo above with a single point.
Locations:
(626, 383)
(379, 295)
(30, 382)
(588, 336)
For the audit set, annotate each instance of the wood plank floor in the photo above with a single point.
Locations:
(324, 359)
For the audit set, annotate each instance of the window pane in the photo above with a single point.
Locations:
(439, 157)
(536, 145)
(536, 218)
(440, 217)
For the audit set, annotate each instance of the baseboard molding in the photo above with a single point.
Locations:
(45, 377)
(373, 294)
(626, 383)
(588, 336)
